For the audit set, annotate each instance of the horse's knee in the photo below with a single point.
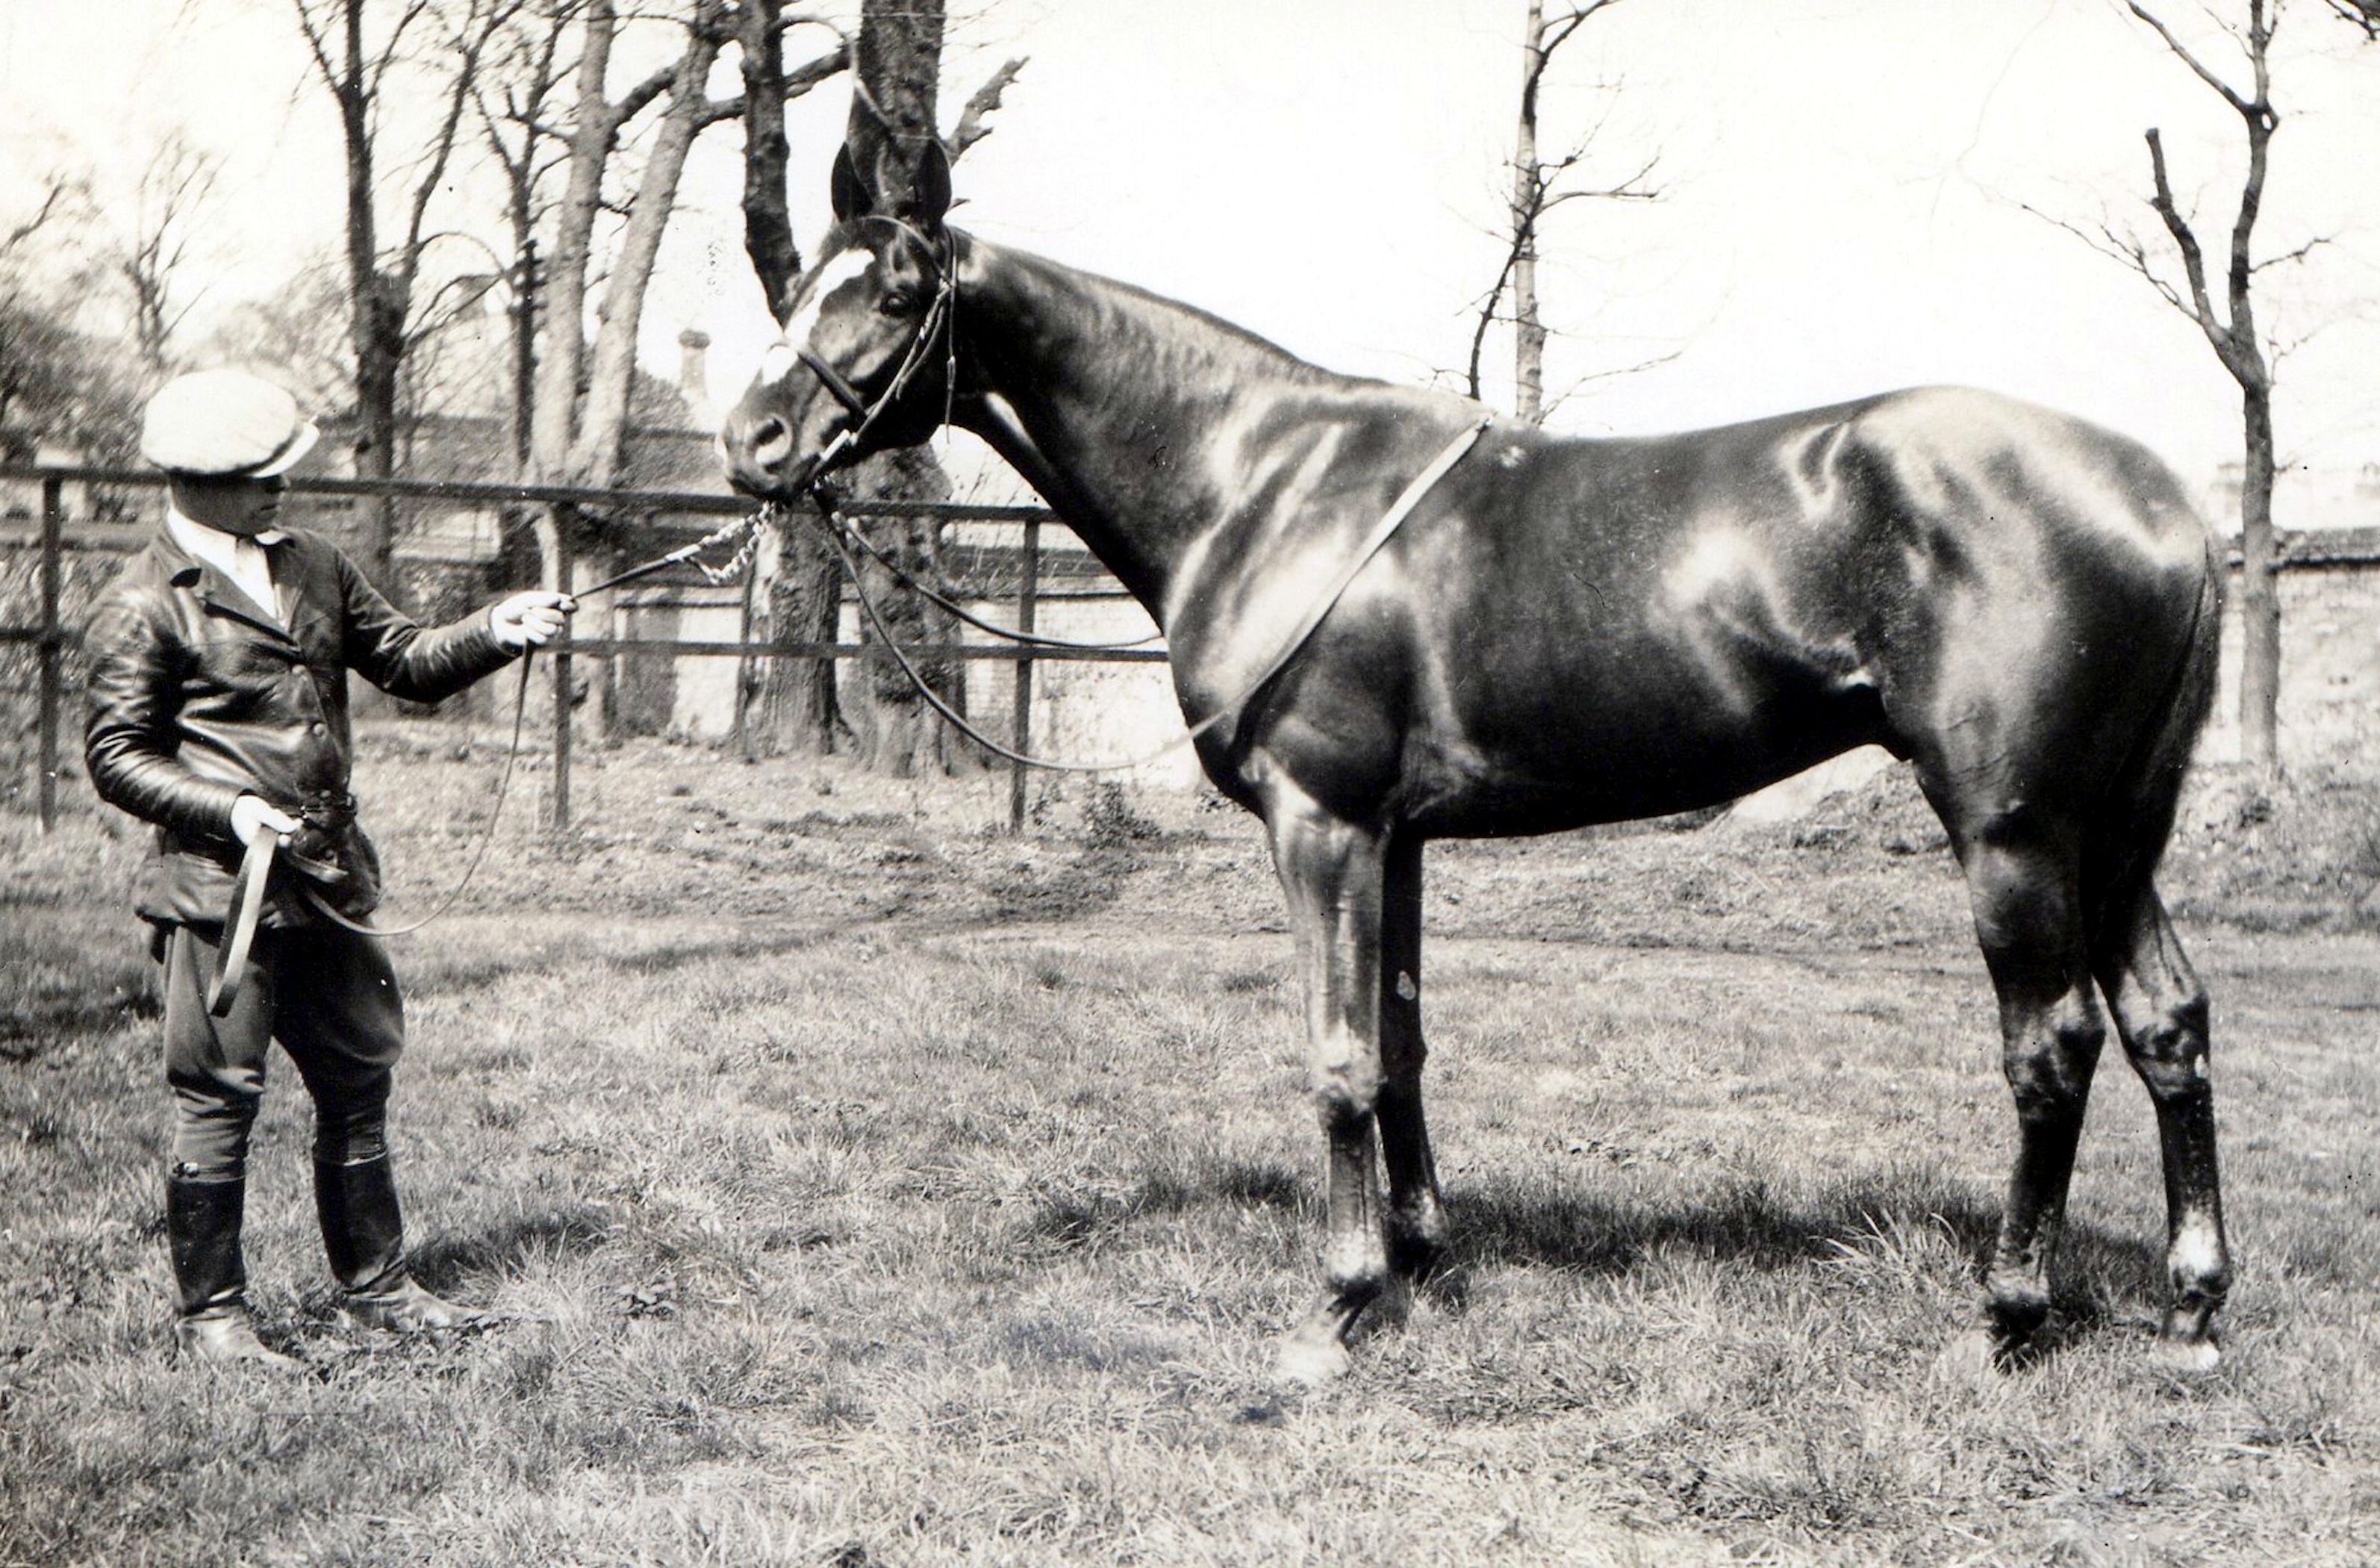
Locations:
(2049, 1063)
(1345, 1093)
(2169, 1049)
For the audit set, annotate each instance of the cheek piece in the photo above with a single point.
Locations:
(937, 321)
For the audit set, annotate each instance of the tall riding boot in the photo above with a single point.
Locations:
(364, 1235)
(202, 1230)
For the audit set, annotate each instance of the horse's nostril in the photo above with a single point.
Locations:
(772, 444)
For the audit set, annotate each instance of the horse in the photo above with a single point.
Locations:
(1560, 632)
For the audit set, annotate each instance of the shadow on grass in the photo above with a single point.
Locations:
(446, 1262)
(475, 972)
(1094, 879)
(1508, 1223)
(1068, 1221)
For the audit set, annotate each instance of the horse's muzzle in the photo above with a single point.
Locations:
(757, 449)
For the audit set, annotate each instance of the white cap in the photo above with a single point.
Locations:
(224, 423)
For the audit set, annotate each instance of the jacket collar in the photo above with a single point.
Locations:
(217, 592)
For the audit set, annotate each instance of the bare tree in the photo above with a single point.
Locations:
(447, 42)
(514, 101)
(1539, 186)
(586, 385)
(2229, 323)
(149, 261)
(583, 389)
(58, 383)
(300, 330)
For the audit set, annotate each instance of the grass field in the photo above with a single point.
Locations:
(864, 1185)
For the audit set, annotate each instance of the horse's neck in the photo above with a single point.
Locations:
(1126, 409)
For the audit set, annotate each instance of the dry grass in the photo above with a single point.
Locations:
(867, 1187)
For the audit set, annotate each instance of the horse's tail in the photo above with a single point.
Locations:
(2136, 820)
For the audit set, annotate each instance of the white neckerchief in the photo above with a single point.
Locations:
(242, 560)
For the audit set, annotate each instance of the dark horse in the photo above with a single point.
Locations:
(1566, 632)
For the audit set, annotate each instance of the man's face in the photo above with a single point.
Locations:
(236, 506)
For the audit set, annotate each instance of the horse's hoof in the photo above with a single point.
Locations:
(2192, 1358)
(1310, 1363)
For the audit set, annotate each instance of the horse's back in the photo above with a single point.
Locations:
(1619, 628)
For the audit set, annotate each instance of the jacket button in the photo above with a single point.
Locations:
(316, 727)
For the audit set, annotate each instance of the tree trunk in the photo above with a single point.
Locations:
(2260, 599)
(1528, 326)
(603, 419)
(563, 306)
(380, 357)
(899, 68)
(798, 591)
(896, 730)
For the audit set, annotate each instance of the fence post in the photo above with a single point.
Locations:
(52, 542)
(1029, 588)
(561, 818)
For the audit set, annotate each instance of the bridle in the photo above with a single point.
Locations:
(941, 318)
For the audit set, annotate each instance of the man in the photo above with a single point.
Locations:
(218, 711)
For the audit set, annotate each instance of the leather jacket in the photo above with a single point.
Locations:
(196, 697)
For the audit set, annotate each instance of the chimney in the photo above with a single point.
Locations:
(693, 375)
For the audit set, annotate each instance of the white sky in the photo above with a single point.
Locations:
(1841, 184)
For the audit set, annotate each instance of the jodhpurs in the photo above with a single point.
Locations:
(329, 996)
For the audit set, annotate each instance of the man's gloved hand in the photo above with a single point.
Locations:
(252, 814)
(529, 620)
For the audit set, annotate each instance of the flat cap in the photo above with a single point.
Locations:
(224, 423)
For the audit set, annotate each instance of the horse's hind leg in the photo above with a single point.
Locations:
(2160, 1011)
(2022, 881)
(1417, 1222)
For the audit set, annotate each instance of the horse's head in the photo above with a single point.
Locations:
(863, 363)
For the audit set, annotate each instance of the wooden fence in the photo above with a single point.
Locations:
(670, 517)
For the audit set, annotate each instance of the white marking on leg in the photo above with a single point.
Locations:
(2197, 1250)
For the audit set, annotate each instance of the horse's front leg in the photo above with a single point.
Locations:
(1332, 872)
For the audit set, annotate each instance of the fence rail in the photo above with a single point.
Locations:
(669, 513)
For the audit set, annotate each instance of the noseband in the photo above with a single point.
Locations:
(941, 317)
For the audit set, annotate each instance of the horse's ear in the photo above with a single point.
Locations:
(930, 195)
(852, 197)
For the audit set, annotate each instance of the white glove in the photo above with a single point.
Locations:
(252, 815)
(529, 620)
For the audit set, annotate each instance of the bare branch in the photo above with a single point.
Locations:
(317, 43)
(1612, 374)
(2120, 248)
(811, 72)
(2193, 261)
(639, 97)
(1558, 33)
(2182, 53)
(2299, 254)
(1489, 318)
(485, 20)
(2364, 14)
(59, 189)
(980, 105)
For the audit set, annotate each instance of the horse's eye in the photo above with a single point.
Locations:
(896, 302)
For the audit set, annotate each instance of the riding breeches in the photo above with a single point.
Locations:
(329, 996)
